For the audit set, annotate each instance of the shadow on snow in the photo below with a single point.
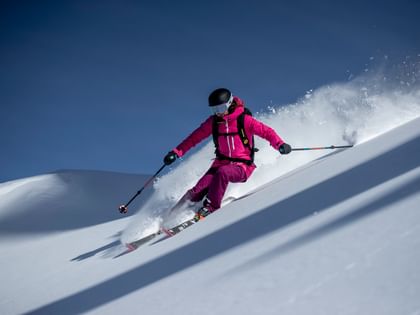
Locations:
(292, 209)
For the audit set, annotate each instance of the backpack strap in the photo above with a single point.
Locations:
(223, 157)
(242, 133)
(241, 130)
(215, 132)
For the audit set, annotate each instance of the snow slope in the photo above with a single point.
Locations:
(311, 233)
(340, 235)
(72, 199)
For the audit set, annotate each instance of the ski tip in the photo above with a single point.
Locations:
(130, 247)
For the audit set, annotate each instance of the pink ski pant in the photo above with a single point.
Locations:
(215, 182)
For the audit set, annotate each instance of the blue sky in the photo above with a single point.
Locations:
(114, 85)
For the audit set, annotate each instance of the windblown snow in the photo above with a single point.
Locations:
(316, 232)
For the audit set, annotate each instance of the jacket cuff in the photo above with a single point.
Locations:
(279, 144)
(178, 152)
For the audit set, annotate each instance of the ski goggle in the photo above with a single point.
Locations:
(222, 108)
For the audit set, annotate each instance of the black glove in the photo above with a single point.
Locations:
(170, 158)
(123, 209)
(285, 148)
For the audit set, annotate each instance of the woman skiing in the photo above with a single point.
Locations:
(233, 128)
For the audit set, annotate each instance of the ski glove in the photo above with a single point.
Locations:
(170, 158)
(285, 148)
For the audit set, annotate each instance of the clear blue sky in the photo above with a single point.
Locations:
(114, 85)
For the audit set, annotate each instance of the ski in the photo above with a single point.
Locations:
(168, 232)
(136, 244)
(180, 227)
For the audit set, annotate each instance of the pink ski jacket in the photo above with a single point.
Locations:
(231, 146)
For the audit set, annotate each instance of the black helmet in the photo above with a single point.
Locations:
(220, 96)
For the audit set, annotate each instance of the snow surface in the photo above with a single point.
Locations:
(310, 233)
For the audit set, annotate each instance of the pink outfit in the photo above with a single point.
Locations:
(215, 181)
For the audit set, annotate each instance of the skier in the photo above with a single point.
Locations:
(233, 129)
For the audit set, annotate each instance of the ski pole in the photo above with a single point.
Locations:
(124, 208)
(323, 148)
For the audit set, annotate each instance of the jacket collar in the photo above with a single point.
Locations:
(233, 116)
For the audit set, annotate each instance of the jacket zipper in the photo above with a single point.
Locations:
(227, 131)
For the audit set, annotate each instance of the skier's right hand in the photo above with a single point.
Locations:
(170, 158)
(285, 148)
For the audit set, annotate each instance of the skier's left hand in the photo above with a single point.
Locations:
(285, 148)
(170, 158)
(123, 209)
